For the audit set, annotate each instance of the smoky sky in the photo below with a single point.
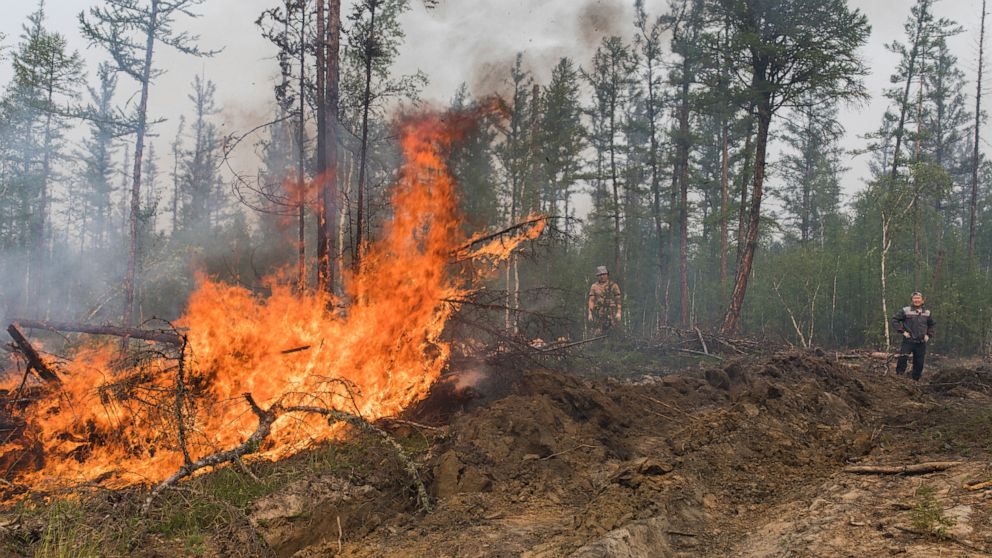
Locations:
(470, 41)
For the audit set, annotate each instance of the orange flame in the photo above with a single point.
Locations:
(379, 355)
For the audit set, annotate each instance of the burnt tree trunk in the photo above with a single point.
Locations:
(301, 168)
(323, 254)
(329, 175)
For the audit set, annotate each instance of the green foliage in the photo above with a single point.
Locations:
(928, 513)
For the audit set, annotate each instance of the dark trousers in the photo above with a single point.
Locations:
(919, 351)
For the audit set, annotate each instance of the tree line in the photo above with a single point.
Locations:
(700, 157)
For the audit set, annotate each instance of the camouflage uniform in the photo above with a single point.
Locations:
(605, 303)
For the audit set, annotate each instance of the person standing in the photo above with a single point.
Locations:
(915, 324)
(604, 308)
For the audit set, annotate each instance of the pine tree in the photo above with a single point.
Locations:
(811, 167)
(821, 59)
(34, 108)
(472, 166)
(560, 141)
(97, 158)
(373, 43)
(199, 167)
(129, 31)
(611, 77)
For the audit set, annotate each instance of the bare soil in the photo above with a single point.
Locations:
(744, 459)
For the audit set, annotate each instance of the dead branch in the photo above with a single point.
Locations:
(166, 337)
(251, 445)
(700, 353)
(181, 402)
(554, 347)
(266, 417)
(333, 415)
(702, 341)
(34, 359)
(915, 469)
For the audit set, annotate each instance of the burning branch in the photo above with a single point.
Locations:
(468, 250)
(34, 359)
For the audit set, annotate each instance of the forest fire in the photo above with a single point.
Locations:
(122, 421)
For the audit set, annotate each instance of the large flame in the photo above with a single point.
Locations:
(372, 354)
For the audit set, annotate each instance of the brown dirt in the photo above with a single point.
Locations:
(741, 460)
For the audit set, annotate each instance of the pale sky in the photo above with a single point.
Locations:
(471, 41)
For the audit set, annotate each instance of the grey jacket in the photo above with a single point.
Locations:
(917, 321)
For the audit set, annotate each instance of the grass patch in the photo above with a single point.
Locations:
(194, 516)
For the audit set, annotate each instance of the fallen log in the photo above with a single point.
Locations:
(979, 486)
(915, 469)
(34, 359)
(166, 337)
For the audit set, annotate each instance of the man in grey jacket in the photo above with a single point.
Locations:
(915, 324)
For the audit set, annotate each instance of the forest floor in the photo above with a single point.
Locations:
(741, 459)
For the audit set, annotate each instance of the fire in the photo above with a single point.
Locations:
(372, 354)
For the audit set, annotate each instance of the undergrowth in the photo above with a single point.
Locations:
(928, 514)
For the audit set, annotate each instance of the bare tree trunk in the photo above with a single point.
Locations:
(614, 181)
(320, 173)
(330, 191)
(910, 74)
(975, 161)
(745, 179)
(730, 322)
(369, 48)
(886, 243)
(683, 166)
(301, 168)
(724, 199)
(139, 146)
(655, 184)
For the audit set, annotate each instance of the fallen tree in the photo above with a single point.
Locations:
(35, 362)
(167, 337)
(915, 469)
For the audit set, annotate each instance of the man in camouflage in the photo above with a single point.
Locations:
(605, 308)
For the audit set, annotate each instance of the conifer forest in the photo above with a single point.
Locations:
(262, 259)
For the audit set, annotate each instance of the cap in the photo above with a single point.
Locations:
(601, 270)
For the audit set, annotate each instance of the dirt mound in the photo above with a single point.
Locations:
(565, 464)
(724, 461)
(959, 380)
